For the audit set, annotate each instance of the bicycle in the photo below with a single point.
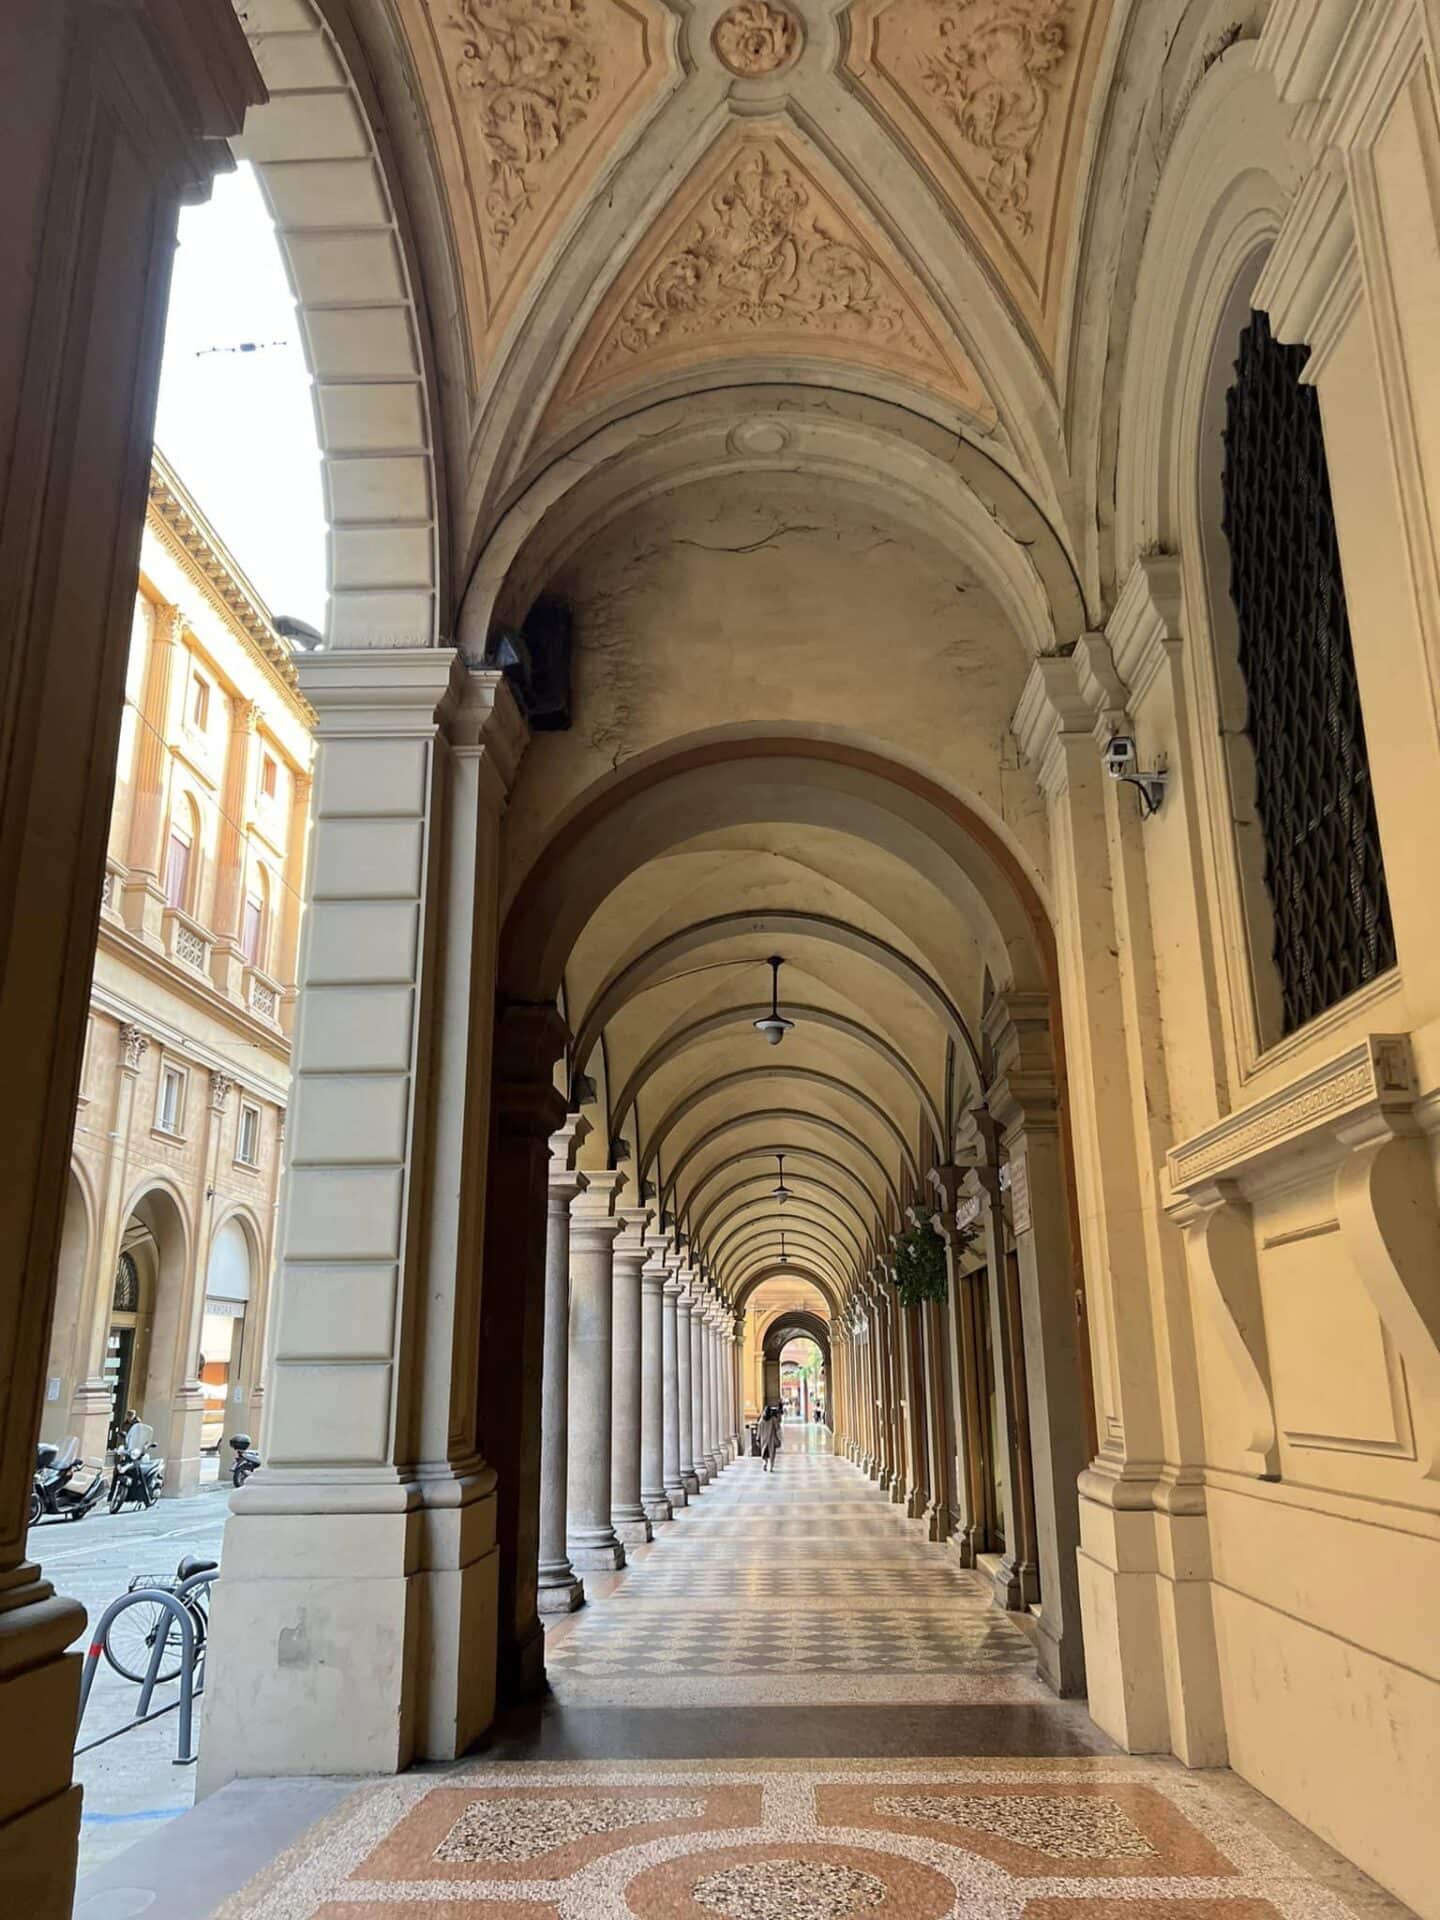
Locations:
(129, 1641)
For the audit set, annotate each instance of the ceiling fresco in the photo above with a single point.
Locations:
(763, 251)
(529, 100)
(990, 96)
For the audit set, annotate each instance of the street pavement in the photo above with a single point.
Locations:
(131, 1784)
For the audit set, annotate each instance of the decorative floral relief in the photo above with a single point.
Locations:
(530, 71)
(755, 39)
(765, 253)
(993, 71)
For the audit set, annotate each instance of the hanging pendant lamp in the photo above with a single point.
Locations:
(783, 1261)
(774, 1026)
(780, 1191)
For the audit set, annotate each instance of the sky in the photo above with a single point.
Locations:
(239, 428)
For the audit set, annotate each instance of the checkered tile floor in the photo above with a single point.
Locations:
(805, 1585)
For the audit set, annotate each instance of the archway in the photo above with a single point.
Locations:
(790, 1326)
(151, 1351)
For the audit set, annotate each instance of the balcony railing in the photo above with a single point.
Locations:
(186, 941)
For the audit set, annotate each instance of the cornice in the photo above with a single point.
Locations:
(1375, 1078)
(198, 550)
(390, 691)
(189, 987)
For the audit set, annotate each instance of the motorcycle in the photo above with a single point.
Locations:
(246, 1459)
(139, 1474)
(65, 1488)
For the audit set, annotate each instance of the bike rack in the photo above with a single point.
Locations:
(186, 1752)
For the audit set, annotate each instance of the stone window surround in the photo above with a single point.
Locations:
(171, 1070)
(248, 1108)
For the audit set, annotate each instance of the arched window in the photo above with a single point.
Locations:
(255, 929)
(1323, 870)
(178, 858)
(127, 1286)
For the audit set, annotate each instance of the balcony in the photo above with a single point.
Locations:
(185, 940)
(263, 996)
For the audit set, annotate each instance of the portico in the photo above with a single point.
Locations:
(769, 503)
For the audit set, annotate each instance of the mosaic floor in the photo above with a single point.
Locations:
(784, 1599)
(1094, 1839)
(806, 1585)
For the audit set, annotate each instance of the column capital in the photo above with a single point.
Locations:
(594, 1211)
(529, 1038)
(566, 1142)
(478, 713)
(633, 1222)
(221, 1086)
(390, 691)
(133, 1042)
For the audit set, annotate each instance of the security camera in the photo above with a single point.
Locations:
(1121, 763)
(1119, 755)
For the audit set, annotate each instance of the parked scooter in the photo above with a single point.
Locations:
(65, 1487)
(139, 1474)
(246, 1458)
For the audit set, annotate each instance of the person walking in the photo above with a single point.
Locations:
(769, 1438)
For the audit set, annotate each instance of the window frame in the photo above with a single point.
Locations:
(171, 1072)
(249, 1110)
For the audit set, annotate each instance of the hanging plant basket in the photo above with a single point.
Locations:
(919, 1269)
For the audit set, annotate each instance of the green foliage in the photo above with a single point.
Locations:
(919, 1269)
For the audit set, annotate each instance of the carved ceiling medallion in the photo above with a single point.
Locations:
(755, 39)
(992, 93)
(757, 257)
(537, 94)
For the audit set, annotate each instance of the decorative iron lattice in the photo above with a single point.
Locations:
(126, 1298)
(1323, 865)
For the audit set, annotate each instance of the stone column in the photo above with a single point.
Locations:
(1017, 1579)
(675, 1489)
(1023, 1102)
(526, 1113)
(713, 1458)
(559, 1589)
(912, 1409)
(227, 962)
(653, 1497)
(967, 1305)
(699, 1398)
(594, 1227)
(93, 187)
(684, 1383)
(627, 1513)
(142, 893)
(376, 1512)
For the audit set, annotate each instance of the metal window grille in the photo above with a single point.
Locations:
(1323, 865)
(127, 1286)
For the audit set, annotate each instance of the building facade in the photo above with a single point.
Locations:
(988, 454)
(170, 1209)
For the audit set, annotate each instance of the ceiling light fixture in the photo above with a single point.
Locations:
(780, 1191)
(783, 1261)
(774, 1026)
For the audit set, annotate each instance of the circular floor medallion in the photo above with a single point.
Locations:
(788, 1890)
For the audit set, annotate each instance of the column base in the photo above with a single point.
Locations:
(702, 1474)
(677, 1496)
(937, 1522)
(1152, 1662)
(561, 1596)
(964, 1546)
(39, 1805)
(658, 1509)
(692, 1482)
(633, 1532)
(458, 1586)
(712, 1465)
(597, 1558)
(316, 1632)
(1060, 1657)
(915, 1505)
(1016, 1582)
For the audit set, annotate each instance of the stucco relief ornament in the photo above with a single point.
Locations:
(755, 39)
(528, 68)
(759, 257)
(993, 72)
(132, 1048)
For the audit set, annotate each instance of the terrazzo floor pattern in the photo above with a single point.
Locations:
(801, 1590)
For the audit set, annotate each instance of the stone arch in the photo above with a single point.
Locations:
(629, 979)
(659, 800)
(777, 1070)
(741, 1016)
(157, 1224)
(73, 1310)
(770, 1272)
(341, 222)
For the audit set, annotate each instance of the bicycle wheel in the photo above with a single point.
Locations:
(130, 1640)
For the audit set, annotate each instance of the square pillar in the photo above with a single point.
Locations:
(356, 1627)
